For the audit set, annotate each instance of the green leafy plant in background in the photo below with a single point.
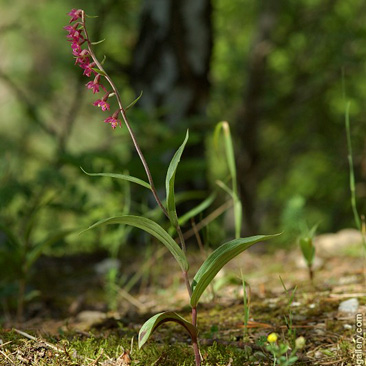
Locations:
(20, 250)
(360, 224)
(230, 158)
(86, 59)
(308, 249)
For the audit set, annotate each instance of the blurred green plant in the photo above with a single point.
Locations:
(308, 249)
(230, 158)
(246, 304)
(360, 224)
(86, 59)
(291, 331)
(20, 249)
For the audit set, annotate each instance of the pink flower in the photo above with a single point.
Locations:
(102, 104)
(93, 86)
(88, 67)
(74, 14)
(77, 50)
(75, 37)
(69, 28)
(113, 121)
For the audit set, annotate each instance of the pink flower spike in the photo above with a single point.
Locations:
(93, 86)
(113, 121)
(88, 67)
(102, 104)
(69, 28)
(74, 14)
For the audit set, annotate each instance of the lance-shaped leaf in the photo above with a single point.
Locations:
(98, 71)
(120, 176)
(216, 260)
(134, 102)
(97, 42)
(154, 322)
(169, 183)
(152, 228)
(229, 148)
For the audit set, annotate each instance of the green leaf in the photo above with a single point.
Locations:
(213, 264)
(120, 176)
(152, 228)
(229, 148)
(97, 42)
(169, 183)
(308, 249)
(101, 72)
(134, 102)
(230, 158)
(155, 321)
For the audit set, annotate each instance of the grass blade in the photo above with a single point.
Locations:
(169, 183)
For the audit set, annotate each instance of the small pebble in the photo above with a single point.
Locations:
(347, 326)
(318, 354)
(348, 306)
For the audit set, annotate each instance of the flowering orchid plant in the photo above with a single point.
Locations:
(86, 59)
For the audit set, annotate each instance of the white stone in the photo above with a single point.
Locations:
(348, 306)
(106, 265)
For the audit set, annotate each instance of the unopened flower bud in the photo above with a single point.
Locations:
(300, 342)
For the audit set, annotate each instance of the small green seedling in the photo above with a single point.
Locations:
(86, 59)
(246, 303)
(308, 250)
(289, 319)
(279, 350)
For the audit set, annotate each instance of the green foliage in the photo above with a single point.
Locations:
(169, 183)
(306, 245)
(157, 320)
(120, 176)
(152, 228)
(212, 265)
(230, 158)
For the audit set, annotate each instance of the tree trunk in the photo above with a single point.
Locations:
(248, 119)
(171, 58)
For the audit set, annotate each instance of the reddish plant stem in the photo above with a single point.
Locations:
(196, 349)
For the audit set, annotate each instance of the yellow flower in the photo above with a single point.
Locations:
(272, 338)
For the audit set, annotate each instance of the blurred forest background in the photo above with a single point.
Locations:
(272, 69)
